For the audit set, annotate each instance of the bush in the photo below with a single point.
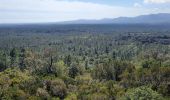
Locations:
(31, 86)
(104, 72)
(42, 93)
(75, 70)
(98, 96)
(13, 93)
(142, 93)
(60, 69)
(57, 88)
(71, 96)
(164, 90)
(15, 75)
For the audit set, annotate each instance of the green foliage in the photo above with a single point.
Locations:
(75, 70)
(88, 66)
(84, 79)
(14, 76)
(115, 91)
(71, 97)
(142, 93)
(128, 77)
(60, 69)
(104, 71)
(154, 76)
(98, 96)
(4, 61)
(112, 70)
(13, 93)
(10, 79)
(68, 60)
(42, 93)
(151, 63)
(164, 89)
(31, 86)
(14, 54)
(57, 88)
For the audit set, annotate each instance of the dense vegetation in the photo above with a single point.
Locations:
(84, 62)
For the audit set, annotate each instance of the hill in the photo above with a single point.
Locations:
(161, 18)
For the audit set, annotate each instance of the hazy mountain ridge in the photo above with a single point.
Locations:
(143, 19)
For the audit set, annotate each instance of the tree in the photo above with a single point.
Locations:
(142, 93)
(57, 88)
(120, 67)
(60, 69)
(67, 60)
(14, 54)
(22, 58)
(104, 71)
(4, 61)
(31, 61)
(42, 93)
(50, 54)
(73, 70)
(86, 65)
(98, 96)
(114, 55)
(128, 77)
(107, 50)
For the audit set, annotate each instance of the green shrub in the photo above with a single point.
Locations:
(42, 93)
(57, 88)
(142, 93)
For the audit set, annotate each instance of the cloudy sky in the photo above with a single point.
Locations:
(35, 11)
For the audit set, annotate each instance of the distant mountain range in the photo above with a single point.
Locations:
(161, 18)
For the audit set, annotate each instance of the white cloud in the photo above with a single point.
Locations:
(137, 5)
(157, 1)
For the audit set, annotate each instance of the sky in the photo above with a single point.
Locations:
(39, 11)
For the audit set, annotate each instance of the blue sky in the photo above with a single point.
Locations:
(35, 11)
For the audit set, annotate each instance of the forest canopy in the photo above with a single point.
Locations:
(84, 62)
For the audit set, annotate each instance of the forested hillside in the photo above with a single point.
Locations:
(85, 62)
